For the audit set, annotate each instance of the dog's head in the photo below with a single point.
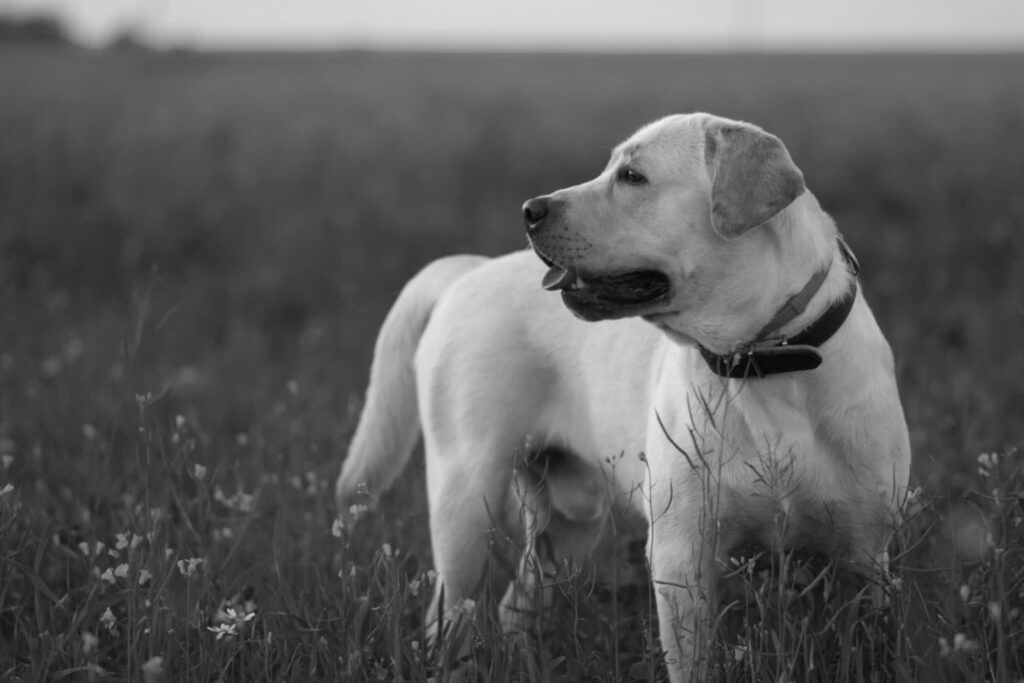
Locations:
(666, 231)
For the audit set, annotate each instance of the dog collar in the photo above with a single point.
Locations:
(775, 356)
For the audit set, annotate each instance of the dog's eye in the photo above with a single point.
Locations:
(630, 176)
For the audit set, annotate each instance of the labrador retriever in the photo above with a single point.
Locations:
(688, 339)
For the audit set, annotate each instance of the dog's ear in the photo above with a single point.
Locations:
(752, 175)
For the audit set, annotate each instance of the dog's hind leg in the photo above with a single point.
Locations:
(467, 495)
(563, 508)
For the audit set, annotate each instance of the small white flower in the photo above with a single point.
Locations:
(145, 576)
(188, 567)
(944, 648)
(962, 643)
(431, 576)
(109, 620)
(386, 549)
(223, 630)
(467, 607)
(122, 541)
(338, 527)
(122, 571)
(108, 576)
(179, 421)
(414, 588)
(153, 669)
(198, 471)
(7, 460)
(965, 593)
(7, 489)
(357, 509)
(739, 653)
(89, 642)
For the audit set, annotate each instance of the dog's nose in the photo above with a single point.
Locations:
(534, 211)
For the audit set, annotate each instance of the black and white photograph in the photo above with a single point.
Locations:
(452, 341)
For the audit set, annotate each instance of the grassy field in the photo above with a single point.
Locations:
(196, 252)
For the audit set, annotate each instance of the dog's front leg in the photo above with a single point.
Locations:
(683, 588)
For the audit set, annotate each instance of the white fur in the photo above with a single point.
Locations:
(502, 368)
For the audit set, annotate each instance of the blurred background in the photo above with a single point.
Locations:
(215, 202)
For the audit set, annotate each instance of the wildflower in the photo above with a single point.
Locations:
(153, 669)
(198, 471)
(944, 648)
(965, 593)
(168, 552)
(108, 576)
(145, 576)
(122, 571)
(414, 588)
(431, 576)
(234, 615)
(7, 489)
(987, 461)
(89, 642)
(357, 510)
(179, 421)
(415, 645)
(188, 567)
(240, 501)
(739, 653)
(227, 631)
(7, 460)
(125, 541)
(386, 549)
(109, 621)
(337, 527)
(962, 643)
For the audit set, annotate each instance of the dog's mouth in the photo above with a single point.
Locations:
(604, 296)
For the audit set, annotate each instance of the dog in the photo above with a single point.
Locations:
(687, 339)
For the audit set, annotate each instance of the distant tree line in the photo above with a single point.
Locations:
(32, 29)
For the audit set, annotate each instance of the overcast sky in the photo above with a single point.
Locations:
(569, 24)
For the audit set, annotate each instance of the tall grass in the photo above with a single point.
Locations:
(196, 252)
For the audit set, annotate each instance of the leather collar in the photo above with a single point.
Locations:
(765, 356)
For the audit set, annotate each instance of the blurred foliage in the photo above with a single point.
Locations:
(32, 29)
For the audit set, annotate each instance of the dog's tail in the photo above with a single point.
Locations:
(389, 424)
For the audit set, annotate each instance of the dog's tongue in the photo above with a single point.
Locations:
(557, 278)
